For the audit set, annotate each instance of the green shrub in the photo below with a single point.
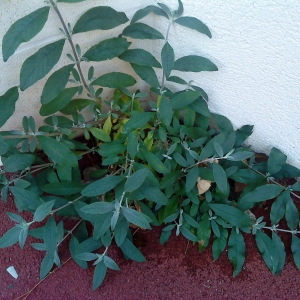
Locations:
(173, 163)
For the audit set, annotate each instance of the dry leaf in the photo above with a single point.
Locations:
(203, 185)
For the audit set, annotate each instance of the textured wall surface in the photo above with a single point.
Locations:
(255, 44)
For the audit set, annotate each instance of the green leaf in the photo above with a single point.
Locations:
(296, 186)
(291, 213)
(23, 236)
(3, 146)
(110, 263)
(232, 215)
(101, 186)
(167, 59)
(7, 104)
(23, 30)
(267, 249)
(121, 230)
(241, 155)
(194, 63)
(142, 31)
(76, 105)
(136, 180)
(131, 251)
(18, 162)
(87, 256)
(25, 199)
(100, 134)
(220, 178)
(46, 265)
(138, 120)
(236, 251)
(204, 232)
(50, 235)
(100, 17)
(62, 188)
(278, 207)
(219, 243)
(147, 74)
(183, 99)
(188, 235)
(58, 103)
(107, 49)
(16, 218)
(296, 250)
(39, 64)
(115, 80)
(56, 83)
(132, 144)
(178, 12)
(177, 79)
(165, 112)
(140, 57)
(154, 162)
(99, 275)
(154, 194)
(261, 193)
(193, 23)
(280, 253)
(191, 179)
(135, 217)
(43, 211)
(276, 161)
(141, 13)
(10, 237)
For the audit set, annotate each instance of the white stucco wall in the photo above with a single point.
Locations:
(255, 44)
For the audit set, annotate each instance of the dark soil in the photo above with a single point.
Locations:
(175, 270)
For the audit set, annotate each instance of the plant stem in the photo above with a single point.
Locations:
(77, 59)
(67, 204)
(282, 230)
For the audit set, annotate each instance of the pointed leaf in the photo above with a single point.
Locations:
(140, 57)
(167, 59)
(236, 251)
(115, 80)
(76, 105)
(101, 186)
(107, 49)
(147, 74)
(43, 211)
(136, 180)
(50, 235)
(121, 230)
(10, 237)
(220, 178)
(141, 13)
(154, 162)
(183, 99)
(23, 236)
(219, 243)
(62, 188)
(39, 64)
(46, 265)
(191, 178)
(25, 199)
(280, 253)
(296, 250)
(23, 30)
(142, 31)
(291, 213)
(7, 104)
(194, 63)
(101, 17)
(87, 256)
(18, 162)
(204, 232)
(138, 120)
(131, 251)
(135, 217)
(278, 208)
(193, 23)
(56, 83)
(110, 263)
(99, 275)
(276, 161)
(188, 235)
(100, 134)
(59, 102)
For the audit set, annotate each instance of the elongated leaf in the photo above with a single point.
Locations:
(18, 162)
(278, 208)
(121, 230)
(194, 63)
(62, 188)
(25, 199)
(59, 102)
(42, 211)
(39, 64)
(204, 232)
(115, 80)
(107, 49)
(191, 178)
(10, 237)
(100, 17)
(99, 275)
(188, 235)
(296, 250)
(193, 23)
(57, 151)
(154, 194)
(220, 178)
(136, 180)
(165, 110)
(16, 218)
(56, 83)
(141, 13)
(236, 251)
(135, 217)
(46, 265)
(291, 213)
(276, 161)
(131, 251)
(50, 236)
(110, 263)
(147, 74)
(280, 253)
(23, 30)
(138, 120)
(142, 31)
(267, 249)
(184, 99)
(87, 256)
(261, 193)
(219, 243)
(7, 104)
(232, 215)
(101, 186)
(76, 105)
(100, 134)
(140, 57)
(154, 162)
(23, 236)
(179, 11)
(167, 59)
(242, 155)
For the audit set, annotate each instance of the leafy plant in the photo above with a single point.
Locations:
(173, 164)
